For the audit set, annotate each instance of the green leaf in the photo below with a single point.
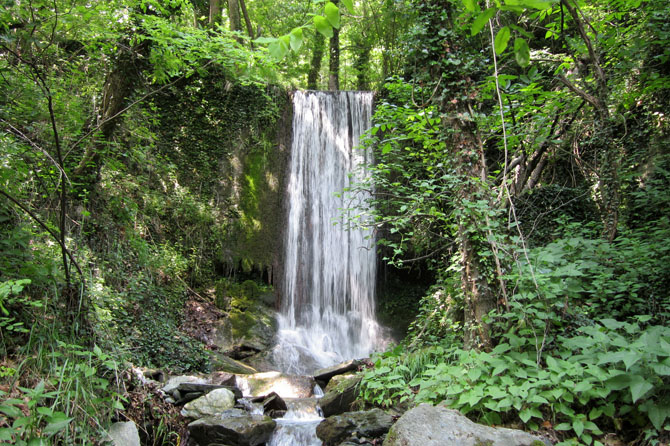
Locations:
(657, 415)
(57, 424)
(525, 415)
(11, 411)
(638, 387)
(332, 14)
(521, 52)
(470, 5)
(349, 5)
(296, 39)
(279, 48)
(321, 24)
(502, 39)
(481, 20)
(537, 4)
(578, 426)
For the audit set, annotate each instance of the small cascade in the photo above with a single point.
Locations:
(327, 314)
(298, 426)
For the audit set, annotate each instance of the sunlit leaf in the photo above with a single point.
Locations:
(321, 24)
(332, 14)
(521, 52)
(502, 39)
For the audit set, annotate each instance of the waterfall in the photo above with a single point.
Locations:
(327, 311)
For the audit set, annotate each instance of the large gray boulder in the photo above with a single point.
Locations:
(356, 426)
(213, 403)
(427, 425)
(340, 398)
(248, 430)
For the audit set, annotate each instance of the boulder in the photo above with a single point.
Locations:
(354, 426)
(286, 386)
(225, 364)
(324, 375)
(213, 403)
(274, 406)
(247, 430)
(247, 328)
(223, 379)
(124, 434)
(339, 399)
(427, 425)
(202, 389)
(336, 381)
(174, 381)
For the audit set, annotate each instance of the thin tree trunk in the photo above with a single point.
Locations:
(334, 63)
(317, 58)
(247, 21)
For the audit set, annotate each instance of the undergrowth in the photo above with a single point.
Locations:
(583, 346)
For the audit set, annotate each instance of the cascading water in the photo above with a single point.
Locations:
(327, 313)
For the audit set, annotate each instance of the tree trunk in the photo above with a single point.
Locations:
(234, 19)
(478, 293)
(119, 85)
(247, 21)
(317, 57)
(334, 65)
(361, 64)
(214, 11)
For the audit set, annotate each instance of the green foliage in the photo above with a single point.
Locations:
(69, 405)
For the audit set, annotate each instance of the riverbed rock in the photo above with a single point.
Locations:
(427, 425)
(274, 406)
(322, 376)
(247, 329)
(225, 364)
(203, 389)
(247, 430)
(339, 399)
(213, 403)
(174, 381)
(286, 386)
(357, 426)
(124, 434)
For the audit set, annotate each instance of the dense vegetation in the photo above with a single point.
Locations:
(521, 178)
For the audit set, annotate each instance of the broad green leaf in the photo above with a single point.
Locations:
(296, 39)
(525, 415)
(279, 48)
(57, 424)
(264, 40)
(481, 20)
(521, 52)
(349, 4)
(657, 415)
(502, 39)
(661, 369)
(470, 5)
(11, 411)
(638, 387)
(578, 426)
(6, 434)
(45, 411)
(321, 24)
(332, 14)
(536, 4)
